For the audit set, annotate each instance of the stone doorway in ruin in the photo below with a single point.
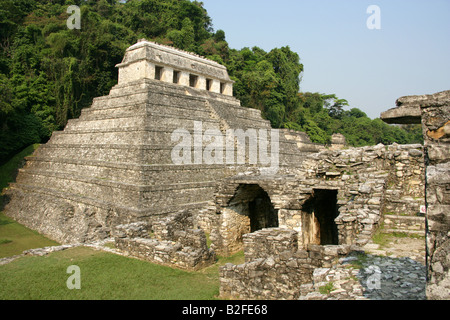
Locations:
(249, 210)
(318, 218)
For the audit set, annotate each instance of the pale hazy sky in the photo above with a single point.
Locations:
(409, 55)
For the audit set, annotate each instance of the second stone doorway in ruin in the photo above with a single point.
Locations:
(318, 219)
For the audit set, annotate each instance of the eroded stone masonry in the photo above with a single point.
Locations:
(294, 208)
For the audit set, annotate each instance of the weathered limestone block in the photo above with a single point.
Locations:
(338, 142)
(132, 230)
(402, 114)
(268, 242)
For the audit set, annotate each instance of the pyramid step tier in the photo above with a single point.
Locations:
(170, 137)
(134, 122)
(144, 108)
(146, 154)
(174, 96)
(132, 213)
(130, 195)
(116, 153)
(125, 172)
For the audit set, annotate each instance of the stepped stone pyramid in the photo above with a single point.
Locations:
(114, 165)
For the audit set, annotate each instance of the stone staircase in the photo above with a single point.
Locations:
(410, 225)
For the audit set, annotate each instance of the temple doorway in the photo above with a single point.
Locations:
(318, 219)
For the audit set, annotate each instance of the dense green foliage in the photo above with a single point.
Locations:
(270, 82)
(49, 73)
(8, 170)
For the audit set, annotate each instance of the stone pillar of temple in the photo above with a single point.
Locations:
(433, 111)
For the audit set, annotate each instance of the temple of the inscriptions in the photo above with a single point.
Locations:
(170, 157)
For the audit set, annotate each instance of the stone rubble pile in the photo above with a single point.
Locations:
(173, 242)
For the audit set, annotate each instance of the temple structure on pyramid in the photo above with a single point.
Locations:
(115, 164)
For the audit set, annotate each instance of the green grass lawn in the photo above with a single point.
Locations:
(15, 238)
(106, 276)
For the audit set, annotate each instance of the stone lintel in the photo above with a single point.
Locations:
(402, 115)
(409, 111)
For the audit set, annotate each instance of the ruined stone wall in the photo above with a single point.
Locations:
(404, 224)
(232, 200)
(370, 183)
(405, 190)
(267, 279)
(401, 166)
(165, 253)
(279, 270)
